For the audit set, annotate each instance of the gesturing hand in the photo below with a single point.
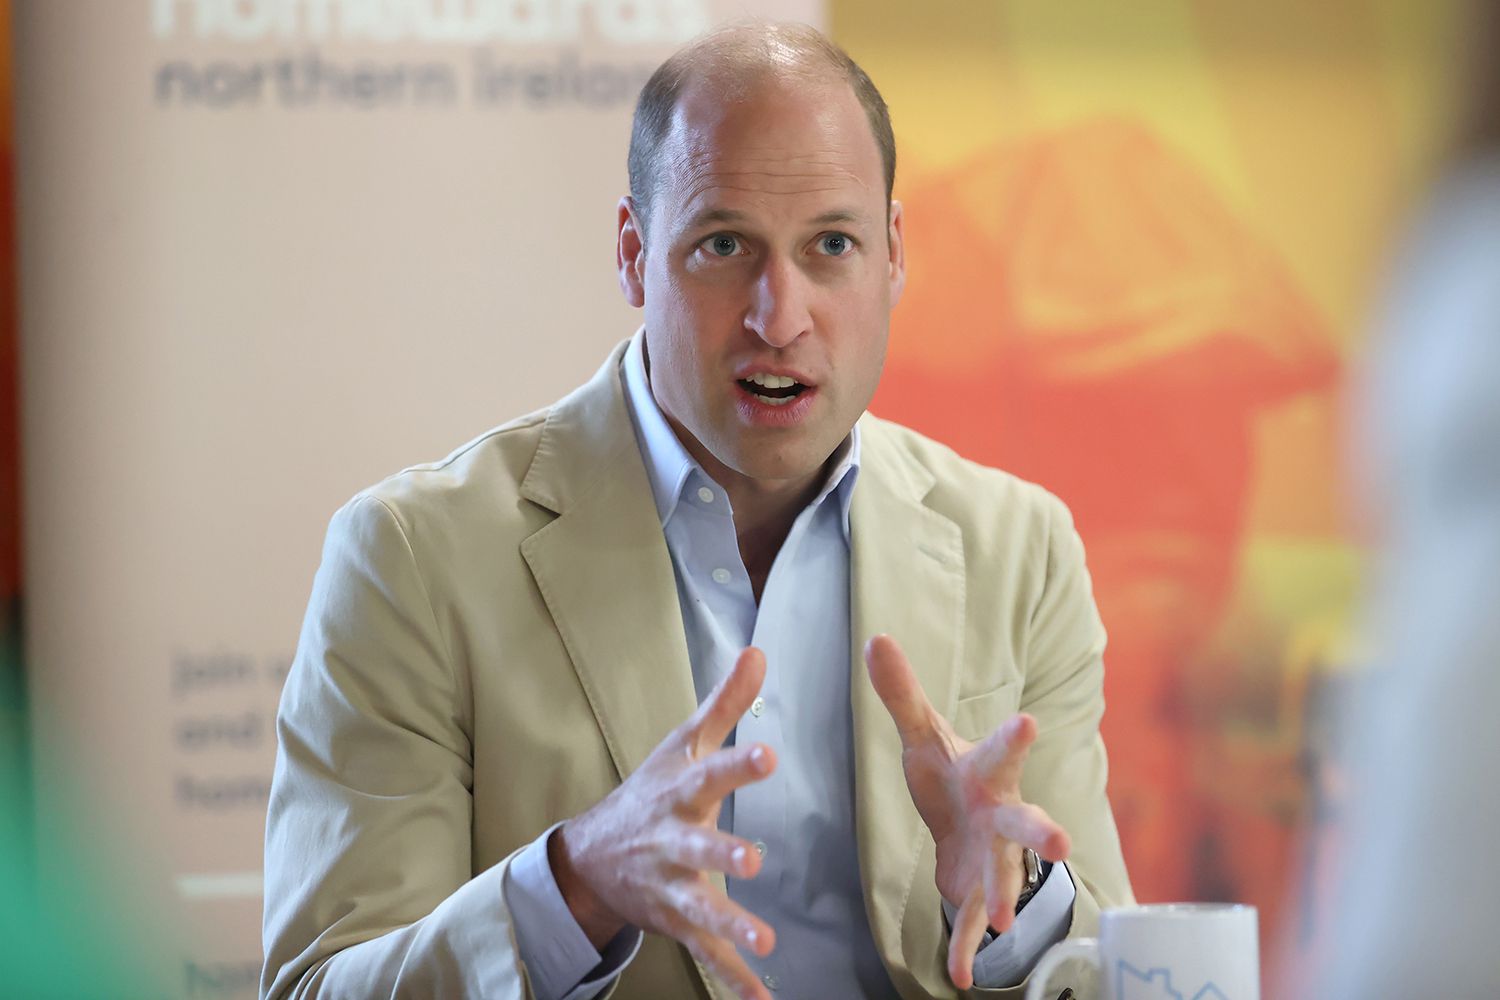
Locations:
(969, 795)
(640, 856)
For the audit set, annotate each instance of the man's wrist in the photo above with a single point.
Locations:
(594, 918)
(1034, 871)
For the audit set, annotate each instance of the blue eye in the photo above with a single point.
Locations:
(835, 244)
(723, 245)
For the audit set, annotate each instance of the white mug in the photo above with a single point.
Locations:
(1172, 951)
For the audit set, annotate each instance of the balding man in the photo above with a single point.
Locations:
(552, 690)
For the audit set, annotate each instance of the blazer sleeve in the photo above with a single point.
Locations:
(369, 887)
(1067, 769)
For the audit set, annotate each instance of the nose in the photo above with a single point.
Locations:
(778, 312)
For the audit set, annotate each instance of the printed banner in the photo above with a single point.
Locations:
(273, 251)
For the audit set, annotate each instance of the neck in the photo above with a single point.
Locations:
(763, 516)
(764, 509)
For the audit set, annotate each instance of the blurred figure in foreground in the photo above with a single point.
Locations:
(1413, 914)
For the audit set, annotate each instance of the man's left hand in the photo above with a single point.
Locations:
(969, 795)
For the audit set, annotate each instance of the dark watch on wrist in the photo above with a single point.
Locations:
(1033, 874)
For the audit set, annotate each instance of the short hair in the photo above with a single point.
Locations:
(747, 50)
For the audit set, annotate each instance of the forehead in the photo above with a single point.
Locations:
(774, 144)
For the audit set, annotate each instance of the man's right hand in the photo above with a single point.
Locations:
(640, 856)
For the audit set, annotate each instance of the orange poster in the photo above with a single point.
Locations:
(1138, 241)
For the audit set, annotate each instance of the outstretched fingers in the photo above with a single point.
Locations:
(1000, 758)
(721, 959)
(963, 942)
(704, 909)
(1002, 883)
(707, 782)
(713, 850)
(713, 927)
(899, 690)
(720, 712)
(1030, 826)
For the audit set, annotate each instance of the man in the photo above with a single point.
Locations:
(552, 690)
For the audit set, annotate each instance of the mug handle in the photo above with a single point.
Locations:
(1086, 948)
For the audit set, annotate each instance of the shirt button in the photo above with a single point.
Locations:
(721, 575)
(760, 848)
(770, 982)
(757, 707)
(705, 494)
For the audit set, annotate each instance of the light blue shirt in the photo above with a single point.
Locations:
(801, 818)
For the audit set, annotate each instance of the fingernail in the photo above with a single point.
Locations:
(758, 754)
(751, 938)
(738, 856)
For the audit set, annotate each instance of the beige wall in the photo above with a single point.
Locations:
(272, 250)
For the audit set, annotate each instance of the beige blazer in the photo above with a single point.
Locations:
(493, 640)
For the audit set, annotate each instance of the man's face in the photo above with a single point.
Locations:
(767, 277)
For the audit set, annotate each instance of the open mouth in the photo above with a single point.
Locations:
(773, 390)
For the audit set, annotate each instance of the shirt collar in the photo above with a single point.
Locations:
(672, 470)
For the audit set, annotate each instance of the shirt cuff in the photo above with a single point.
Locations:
(1007, 959)
(560, 961)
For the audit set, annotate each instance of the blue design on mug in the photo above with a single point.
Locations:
(1156, 984)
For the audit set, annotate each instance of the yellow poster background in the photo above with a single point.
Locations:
(1141, 240)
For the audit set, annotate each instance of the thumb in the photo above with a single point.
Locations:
(900, 691)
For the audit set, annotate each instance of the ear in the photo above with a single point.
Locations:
(897, 241)
(630, 253)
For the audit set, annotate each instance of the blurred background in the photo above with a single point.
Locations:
(257, 254)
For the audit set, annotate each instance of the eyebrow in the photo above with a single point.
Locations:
(731, 216)
(712, 215)
(839, 215)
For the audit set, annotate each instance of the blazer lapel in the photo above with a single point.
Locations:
(907, 580)
(603, 569)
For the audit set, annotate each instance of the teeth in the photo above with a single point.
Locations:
(774, 400)
(772, 381)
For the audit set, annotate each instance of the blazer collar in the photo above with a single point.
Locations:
(603, 569)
